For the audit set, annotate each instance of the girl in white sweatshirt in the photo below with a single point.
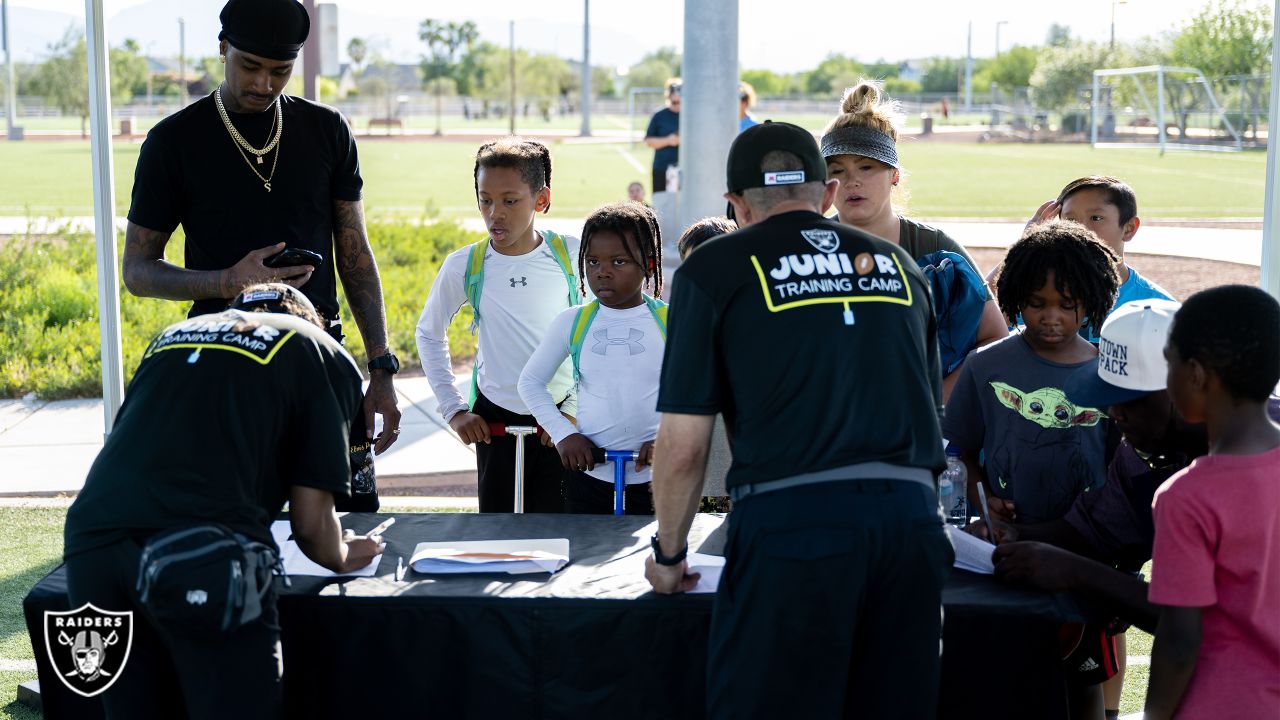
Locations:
(615, 345)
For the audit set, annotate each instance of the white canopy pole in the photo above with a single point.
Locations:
(104, 211)
(709, 106)
(1270, 244)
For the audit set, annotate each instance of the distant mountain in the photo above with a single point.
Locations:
(33, 31)
(157, 22)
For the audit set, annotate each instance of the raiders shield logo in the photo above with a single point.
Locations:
(88, 647)
(825, 240)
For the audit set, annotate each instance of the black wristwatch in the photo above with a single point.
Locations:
(388, 362)
(661, 559)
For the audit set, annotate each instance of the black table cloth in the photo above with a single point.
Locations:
(589, 641)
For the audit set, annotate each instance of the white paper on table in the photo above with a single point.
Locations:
(514, 557)
(710, 566)
(296, 562)
(972, 553)
(281, 531)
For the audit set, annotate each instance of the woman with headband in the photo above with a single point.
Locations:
(860, 146)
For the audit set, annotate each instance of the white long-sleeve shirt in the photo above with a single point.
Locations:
(520, 297)
(620, 366)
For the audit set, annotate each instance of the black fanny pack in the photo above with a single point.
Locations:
(205, 580)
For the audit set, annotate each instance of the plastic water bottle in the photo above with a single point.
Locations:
(953, 489)
(946, 491)
(673, 178)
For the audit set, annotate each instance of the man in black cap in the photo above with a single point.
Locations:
(248, 171)
(817, 343)
(228, 416)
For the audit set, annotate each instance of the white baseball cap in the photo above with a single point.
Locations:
(1130, 356)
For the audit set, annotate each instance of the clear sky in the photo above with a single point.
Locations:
(782, 35)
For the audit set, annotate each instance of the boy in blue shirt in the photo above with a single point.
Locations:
(1109, 207)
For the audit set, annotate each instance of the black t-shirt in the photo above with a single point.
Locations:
(663, 123)
(191, 172)
(816, 341)
(225, 414)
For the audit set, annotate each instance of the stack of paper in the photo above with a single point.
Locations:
(972, 553)
(297, 563)
(514, 557)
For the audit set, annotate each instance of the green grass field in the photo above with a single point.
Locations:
(33, 548)
(944, 179)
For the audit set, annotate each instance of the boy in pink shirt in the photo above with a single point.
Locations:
(1216, 570)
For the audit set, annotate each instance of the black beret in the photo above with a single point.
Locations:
(273, 29)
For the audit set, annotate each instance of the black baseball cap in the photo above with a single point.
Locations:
(272, 297)
(748, 150)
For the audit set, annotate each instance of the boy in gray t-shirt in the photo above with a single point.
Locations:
(1041, 451)
(1033, 449)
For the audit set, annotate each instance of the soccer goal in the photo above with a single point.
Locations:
(1170, 108)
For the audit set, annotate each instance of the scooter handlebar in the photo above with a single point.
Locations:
(500, 429)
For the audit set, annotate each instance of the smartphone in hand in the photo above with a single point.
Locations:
(290, 257)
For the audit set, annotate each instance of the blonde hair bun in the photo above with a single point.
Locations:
(865, 105)
(862, 98)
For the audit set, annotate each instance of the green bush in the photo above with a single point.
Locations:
(408, 257)
(49, 334)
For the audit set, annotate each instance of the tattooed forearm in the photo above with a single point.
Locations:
(359, 273)
(148, 274)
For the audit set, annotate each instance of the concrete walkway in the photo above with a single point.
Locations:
(46, 448)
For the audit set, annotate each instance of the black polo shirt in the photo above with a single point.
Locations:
(191, 173)
(226, 413)
(818, 343)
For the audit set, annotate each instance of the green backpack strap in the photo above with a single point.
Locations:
(587, 313)
(581, 321)
(473, 279)
(472, 282)
(560, 249)
(659, 311)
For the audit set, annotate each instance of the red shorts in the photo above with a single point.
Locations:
(1093, 660)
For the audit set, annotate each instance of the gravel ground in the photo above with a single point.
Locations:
(1182, 277)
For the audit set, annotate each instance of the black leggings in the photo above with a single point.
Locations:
(587, 495)
(496, 465)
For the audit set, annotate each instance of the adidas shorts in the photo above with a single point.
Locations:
(1093, 660)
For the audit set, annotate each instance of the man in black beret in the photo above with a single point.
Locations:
(249, 171)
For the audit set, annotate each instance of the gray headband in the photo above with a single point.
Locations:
(859, 140)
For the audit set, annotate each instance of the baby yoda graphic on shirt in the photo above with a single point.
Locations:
(1047, 407)
(1041, 464)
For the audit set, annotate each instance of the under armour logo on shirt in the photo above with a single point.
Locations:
(523, 282)
(631, 342)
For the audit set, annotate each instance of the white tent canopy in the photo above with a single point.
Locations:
(724, 50)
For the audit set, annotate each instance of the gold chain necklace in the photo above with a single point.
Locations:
(240, 141)
(235, 134)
